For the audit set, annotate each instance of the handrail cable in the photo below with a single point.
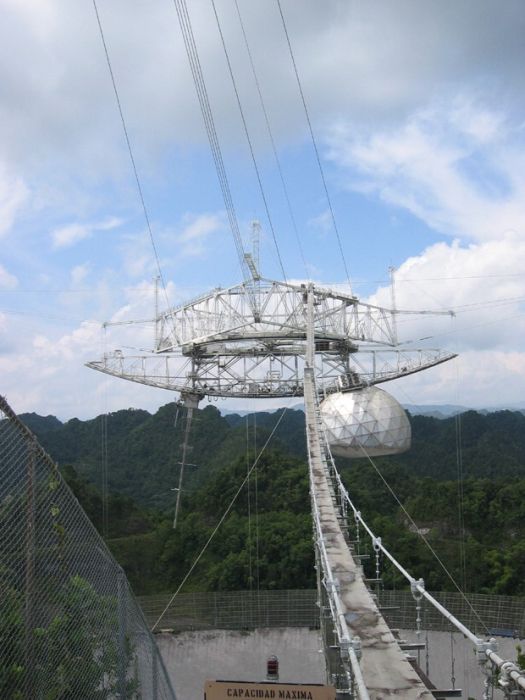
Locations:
(486, 649)
(425, 540)
(334, 600)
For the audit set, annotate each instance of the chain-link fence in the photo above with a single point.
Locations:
(237, 610)
(494, 615)
(70, 627)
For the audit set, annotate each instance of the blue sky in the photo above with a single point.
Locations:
(418, 110)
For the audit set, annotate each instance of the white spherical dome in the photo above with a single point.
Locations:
(365, 422)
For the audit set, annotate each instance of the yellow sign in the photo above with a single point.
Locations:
(225, 690)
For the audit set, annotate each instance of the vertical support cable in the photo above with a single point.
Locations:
(187, 428)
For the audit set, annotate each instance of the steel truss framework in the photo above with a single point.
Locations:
(249, 341)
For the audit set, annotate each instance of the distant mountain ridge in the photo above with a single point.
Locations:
(447, 410)
(144, 450)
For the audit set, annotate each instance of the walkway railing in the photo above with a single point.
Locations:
(246, 610)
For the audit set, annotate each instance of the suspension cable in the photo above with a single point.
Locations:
(132, 158)
(222, 518)
(272, 140)
(249, 504)
(314, 144)
(425, 540)
(460, 478)
(257, 569)
(104, 453)
(209, 123)
(247, 133)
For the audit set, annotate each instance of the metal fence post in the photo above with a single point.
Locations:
(154, 670)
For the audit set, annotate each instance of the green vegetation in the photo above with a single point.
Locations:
(273, 547)
(82, 628)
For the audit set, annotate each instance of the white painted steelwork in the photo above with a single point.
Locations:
(248, 341)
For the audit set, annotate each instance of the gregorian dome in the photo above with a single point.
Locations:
(365, 422)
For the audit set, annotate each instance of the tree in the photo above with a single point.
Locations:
(79, 654)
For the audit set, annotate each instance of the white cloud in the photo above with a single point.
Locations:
(481, 125)
(322, 223)
(481, 379)
(7, 280)
(461, 187)
(43, 366)
(458, 165)
(67, 236)
(79, 274)
(195, 232)
(13, 194)
(483, 283)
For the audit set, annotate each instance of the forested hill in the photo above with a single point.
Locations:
(266, 538)
(144, 450)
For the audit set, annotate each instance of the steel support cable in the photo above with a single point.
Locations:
(394, 561)
(132, 158)
(460, 490)
(455, 310)
(222, 519)
(425, 540)
(314, 143)
(468, 328)
(195, 66)
(202, 94)
(248, 138)
(250, 573)
(481, 647)
(272, 140)
(194, 61)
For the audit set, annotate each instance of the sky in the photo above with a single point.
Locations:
(418, 110)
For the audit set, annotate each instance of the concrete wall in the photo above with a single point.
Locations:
(193, 657)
